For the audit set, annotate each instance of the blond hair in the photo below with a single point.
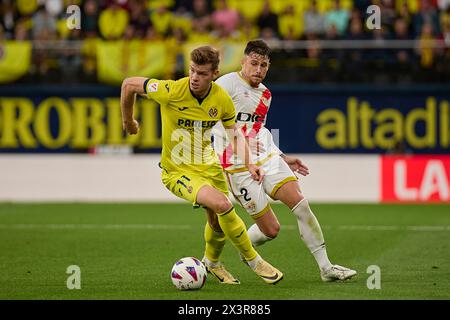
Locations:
(205, 55)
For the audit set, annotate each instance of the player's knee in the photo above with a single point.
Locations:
(294, 199)
(272, 231)
(223, 205)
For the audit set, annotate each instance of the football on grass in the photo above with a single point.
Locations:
(188, 273)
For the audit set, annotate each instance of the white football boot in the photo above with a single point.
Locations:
(337, 272)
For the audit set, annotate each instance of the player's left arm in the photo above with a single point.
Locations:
(130, 87)
(295, 164)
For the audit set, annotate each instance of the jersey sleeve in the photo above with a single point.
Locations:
(226, 83)
(158, 90)
(229, 112)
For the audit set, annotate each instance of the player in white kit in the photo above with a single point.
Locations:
(252, 101)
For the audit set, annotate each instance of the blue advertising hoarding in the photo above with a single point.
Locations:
(361, 119)
(316, 119)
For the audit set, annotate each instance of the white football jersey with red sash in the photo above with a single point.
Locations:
(252, 105)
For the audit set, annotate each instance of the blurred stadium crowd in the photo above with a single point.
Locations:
(296, 29)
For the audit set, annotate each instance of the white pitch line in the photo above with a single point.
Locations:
(96, 226)
(55, 226)
(370, 228)
(429, 228)
(376, 228)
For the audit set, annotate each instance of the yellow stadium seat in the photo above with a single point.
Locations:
(112, 24)
(231, 4)
(326, 5)
(161, 22)
(287, 23)
(413, 5)
(250, 9)
(300, 6)
(278, 6)
(200, 38)
(26, 7)
(61, 27)
(155, 4)
(181, 22)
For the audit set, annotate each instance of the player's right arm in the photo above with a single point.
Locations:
(130, 87)
(228, 83)
(241, 148)
(238, 140)
(157, 90)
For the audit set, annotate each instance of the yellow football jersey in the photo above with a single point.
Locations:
(187, 123)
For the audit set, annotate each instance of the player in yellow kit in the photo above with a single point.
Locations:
(190, 107)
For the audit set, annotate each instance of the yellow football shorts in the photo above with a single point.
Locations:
(186, 184)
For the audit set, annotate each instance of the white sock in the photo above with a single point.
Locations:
(209, 263)
(252, 263)
(257, 237)
(311, 233)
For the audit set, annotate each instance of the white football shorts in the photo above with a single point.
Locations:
(251, 195)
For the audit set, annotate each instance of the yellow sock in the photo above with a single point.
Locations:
(214, 243)
(234, 228)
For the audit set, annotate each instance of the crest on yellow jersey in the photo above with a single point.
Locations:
(213, 112)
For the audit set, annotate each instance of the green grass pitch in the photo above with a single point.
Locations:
(126, 251)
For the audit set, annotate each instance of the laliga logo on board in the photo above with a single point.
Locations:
(417, 178)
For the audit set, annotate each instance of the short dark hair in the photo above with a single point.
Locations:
(205, 55)
(258, 46)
